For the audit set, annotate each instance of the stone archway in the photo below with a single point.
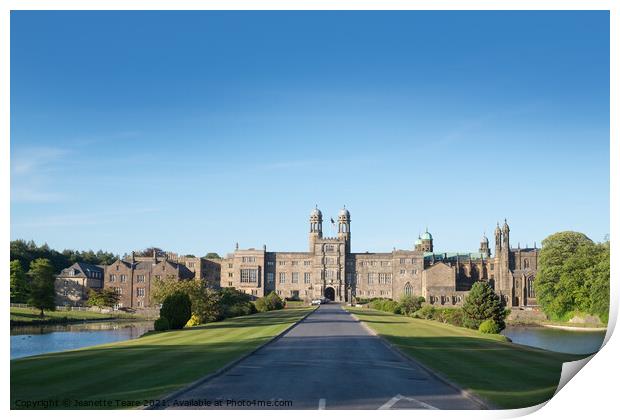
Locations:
(330, 293)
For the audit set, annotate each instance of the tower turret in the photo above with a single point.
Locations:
(427, 241)
(484, 246)
(498, 240)
(505, 236)
(316, 227)
(417, 245)
(344, 227)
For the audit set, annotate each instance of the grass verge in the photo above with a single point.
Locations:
(506, 374)
(146, 368)
(30, 316)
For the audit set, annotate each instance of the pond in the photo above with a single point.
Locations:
(564, 341)
(33, 340)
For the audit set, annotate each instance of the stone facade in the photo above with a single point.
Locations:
(133, 278)
(73, 284)
(330, 269)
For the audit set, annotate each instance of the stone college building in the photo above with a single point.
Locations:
(328, 268)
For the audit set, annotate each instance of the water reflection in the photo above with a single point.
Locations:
(40, 339)
(564, 341)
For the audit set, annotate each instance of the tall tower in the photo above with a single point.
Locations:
(498, 241)
(344, 228)
(316, 227)
(418, 244)
(503, 276)
(427, 241)
(505, 237)
(484, 246)
(497, 271)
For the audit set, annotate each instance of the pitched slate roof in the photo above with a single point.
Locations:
(83, 269)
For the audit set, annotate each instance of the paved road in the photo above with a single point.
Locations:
(328, 361)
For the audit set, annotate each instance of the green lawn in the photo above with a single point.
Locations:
(27, 316)
(507, 375)
(144, 368)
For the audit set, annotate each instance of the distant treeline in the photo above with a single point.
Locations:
(27, 251)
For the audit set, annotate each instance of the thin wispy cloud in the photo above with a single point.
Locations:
(30, 173)
(35, 159)
(33, 195)
(83, 219)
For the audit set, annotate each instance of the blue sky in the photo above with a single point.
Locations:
(195, 130)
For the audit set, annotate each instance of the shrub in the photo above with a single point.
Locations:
(381, 304)
(261, 305)
(273, 302)
(240, 309)
(389, 306)
(162, 324)
(426, 312)
(177, 308)
(453, 316)
(481, 304)
(489, 327)
(410, 304)
(193, 321)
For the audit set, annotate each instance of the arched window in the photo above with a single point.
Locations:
(408, 289)
(530, 287)
(526, 263)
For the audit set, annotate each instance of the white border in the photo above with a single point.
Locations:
(590, 395)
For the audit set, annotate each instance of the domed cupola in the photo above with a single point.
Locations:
(316, 226)
(344, 227)
(427, 241)
(316, 220)
(484, 246)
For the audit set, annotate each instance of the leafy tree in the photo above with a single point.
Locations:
(209, 307)
(190, 256)
(26, 252)
(482, 303)
(42, 285)
(235, 303)
(205, 302)
(598, 284)
(573, 276)
(161, 289)
(104, 298)
(148, 252)
(213, 255)
(19, 283)
(177, 309)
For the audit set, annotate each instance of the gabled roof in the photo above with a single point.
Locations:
(439, 265)
(83, 269)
